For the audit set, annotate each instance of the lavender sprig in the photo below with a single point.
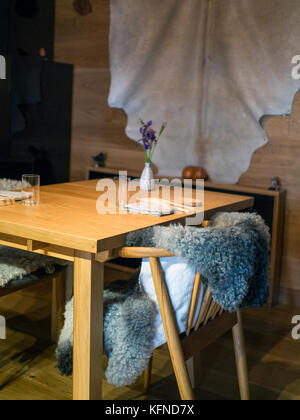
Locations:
(149, 139)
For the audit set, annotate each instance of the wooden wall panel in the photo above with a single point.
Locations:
(281, 157)
(83, 41)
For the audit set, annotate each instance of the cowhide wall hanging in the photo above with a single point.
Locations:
(210, 68)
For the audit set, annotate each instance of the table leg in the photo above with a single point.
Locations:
(88, 327)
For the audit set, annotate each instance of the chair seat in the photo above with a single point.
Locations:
(29, 280)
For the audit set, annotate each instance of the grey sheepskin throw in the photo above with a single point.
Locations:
(232, 254)
(10, 184)
(129, 317)
(16, 264)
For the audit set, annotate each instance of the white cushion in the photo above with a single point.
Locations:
(180, 280)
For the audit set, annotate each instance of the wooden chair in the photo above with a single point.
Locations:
(58, 295)
(211, 323)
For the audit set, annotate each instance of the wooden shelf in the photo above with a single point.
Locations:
(226, 187)
(112, 171)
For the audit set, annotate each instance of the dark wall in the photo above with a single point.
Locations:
(26, 26)
(4, 25)
(32, 26)
(45, 141)
(36, 98)
(5, 111)
(48, 124)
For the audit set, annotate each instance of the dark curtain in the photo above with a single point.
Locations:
(4, 25)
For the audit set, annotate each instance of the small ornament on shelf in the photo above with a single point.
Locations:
(83, 7)
(99, 160)
(276, 184)
(194, 173)
(43, 53)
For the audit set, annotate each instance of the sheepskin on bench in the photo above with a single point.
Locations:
(233, 256)
(16, 266)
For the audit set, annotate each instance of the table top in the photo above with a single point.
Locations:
(67, 216)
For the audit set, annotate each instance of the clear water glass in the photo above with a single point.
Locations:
(31, 189)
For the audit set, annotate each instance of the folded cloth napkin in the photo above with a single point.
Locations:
(150, 209)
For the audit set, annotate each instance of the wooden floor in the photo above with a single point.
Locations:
(27, 359)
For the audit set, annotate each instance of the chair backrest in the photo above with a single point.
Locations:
(184, 348)
(179, 348)
(208, 310)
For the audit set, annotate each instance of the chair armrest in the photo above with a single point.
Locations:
(141, 252)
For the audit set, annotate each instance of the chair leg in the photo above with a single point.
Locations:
(241, 358)
(147, 375)
(58, 305)
(171, 330)
(190, 365)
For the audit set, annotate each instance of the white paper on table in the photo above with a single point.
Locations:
(22, 195)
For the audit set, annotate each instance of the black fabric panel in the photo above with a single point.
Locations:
(4, 25)
(32, 27)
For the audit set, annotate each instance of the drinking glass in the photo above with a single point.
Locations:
(31, 188)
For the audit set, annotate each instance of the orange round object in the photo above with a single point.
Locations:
(194, 172)
(200, 173)
(188, 172)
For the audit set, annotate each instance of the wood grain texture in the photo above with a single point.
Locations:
(171, 331)
(58, 305)
(88, 322)
(98, 128)
(83, 41)
(193, 303)
(281, 157)
(241, 358)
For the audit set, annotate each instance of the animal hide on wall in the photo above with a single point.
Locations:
(210, 68)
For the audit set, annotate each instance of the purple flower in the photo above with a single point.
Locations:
(149, 138)
(151, 134)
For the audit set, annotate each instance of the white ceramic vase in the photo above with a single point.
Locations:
(147, 178)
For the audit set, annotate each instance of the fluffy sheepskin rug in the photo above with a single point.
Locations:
(129, 317)
(10, 185)
(16, 264)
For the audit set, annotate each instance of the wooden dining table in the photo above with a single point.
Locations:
(67, 225)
